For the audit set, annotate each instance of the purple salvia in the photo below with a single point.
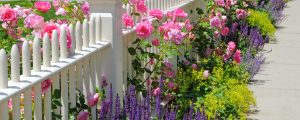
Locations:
(158, 100)
(190, 117)
(185, 116)
(244, 29)
(110, 106)
(103, 109)
(117, 108)
(256, 39)
(198, 115)
(137, 113)
(132, 102)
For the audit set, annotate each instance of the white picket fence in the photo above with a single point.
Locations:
(99, 47)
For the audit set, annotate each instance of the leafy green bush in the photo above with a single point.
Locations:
(262, 21)
(224, 93)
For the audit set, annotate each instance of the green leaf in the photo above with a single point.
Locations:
(136, 41)
(56, 94)
(131, 51)
(57, 102)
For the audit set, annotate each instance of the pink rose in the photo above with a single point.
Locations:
(48, 28)
(188, 25)
(225, 31)
(155, 42)
(34, 21)
(83, 115)
(220, 2)
(170, 74)
(180, 13)
(237, 56)
(8, 14)
(194, 66)
(134, 2)
(171, 85)
(46, 84)
(241, 14)
(215, 22)
(231, 46)
(156, 91)
(103, 81)
(156, 13)
(61, 11)
(92, 99)
(42, 6)
(144, 29)
(168, 65)
(10, 104)
(127, 20)
(205, 74)
(141, 7)
(85, 8)
(176, 36)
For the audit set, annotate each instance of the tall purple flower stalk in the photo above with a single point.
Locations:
(117, 108)
(253, 63)
(110, 107)
(158, 100)
(256, 39)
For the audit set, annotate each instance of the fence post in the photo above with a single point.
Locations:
(115, 8)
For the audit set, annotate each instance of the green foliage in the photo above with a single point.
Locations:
(262, 21)
(224, 93)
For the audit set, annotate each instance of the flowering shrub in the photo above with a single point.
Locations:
(23, 23)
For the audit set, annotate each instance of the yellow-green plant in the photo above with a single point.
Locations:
(261, 20)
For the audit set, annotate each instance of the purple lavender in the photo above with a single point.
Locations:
(256, 39)
(191, 112)
(104, 109)
(253, 63)
(133, 102)
(117, 108)
(110, 107)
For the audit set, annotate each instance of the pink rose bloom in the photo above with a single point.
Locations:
(220, 2)
(20, 11)
(155, 42)
(127, 20)
(156, 13)
(237, 56)
(186, 62)
(156, 91)
(170, 74)
(168, 65)
(216, 34)
(46, 84)
(180, 13)
(205, 74)
(83, 115)
(134, 2)
(231, 46)
(225, 31)
(241, 14)
(188, 25)
(170, 85)
(42, 6)
(56, 3)
(8, 14)
(9, 104)
(69, 38)
(48, 28)
(27, 11)
(34, 21)
(61, 11)
(93, 99)
(103, 81)
(144, 29)
(224, 20)
(141, 7)
(215, 22)
(176, 36)
(194, 66)
(85, 8)
(151, 62)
